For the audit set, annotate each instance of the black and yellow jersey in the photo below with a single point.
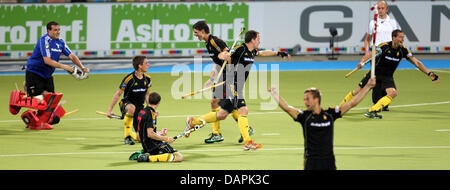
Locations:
(215, 45)
(241, 62)
(318, 131)
(147, 120)
(242, 58)
(135, 88)
(388, 61)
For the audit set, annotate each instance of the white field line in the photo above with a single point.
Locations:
(230, 150)
(441, 71)
(251, 113)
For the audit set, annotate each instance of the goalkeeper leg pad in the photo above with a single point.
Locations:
(18, 99)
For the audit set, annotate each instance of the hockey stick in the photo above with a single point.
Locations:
(198, 91)
(375, 18)
(363, 64)
(71, 112)
(225, 62)
(185, 133)
(105, 114)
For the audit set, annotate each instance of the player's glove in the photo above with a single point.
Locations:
(436, 77)
(282, 54)
(78, 73)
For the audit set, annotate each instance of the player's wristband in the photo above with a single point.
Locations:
(435, 75)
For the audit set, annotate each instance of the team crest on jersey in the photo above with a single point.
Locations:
(135, 84)
(324, 117)
(398, 53)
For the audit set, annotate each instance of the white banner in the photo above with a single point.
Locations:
(306, 24)
(165, 29)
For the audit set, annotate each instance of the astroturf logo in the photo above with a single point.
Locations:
(162, 25)
(249, 82)
(22, 26)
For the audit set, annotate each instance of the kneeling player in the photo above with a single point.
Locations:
(155, 144)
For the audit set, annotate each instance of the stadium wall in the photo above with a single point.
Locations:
(103, 30)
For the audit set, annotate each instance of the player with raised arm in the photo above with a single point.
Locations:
(380, 31)
(241, 61)
(318, 124)
(391, 54)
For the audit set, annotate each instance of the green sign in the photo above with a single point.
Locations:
(169, 25)
(22, 25)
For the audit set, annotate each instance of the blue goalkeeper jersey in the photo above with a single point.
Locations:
(46, 47)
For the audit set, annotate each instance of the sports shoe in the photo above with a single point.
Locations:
(214, 138)
(251, 145)
(128, 140)
(135, 155)
(143, 157)
(385, 108)
(373, 115)
(251, 131)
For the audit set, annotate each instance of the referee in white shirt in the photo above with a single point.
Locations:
(385, 26)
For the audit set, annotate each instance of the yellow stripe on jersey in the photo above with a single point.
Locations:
(148, 76)
(237, 47)
(409, 52)
(213, 43)
(383, 44)
(128, 80)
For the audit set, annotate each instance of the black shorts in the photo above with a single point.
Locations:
(123, 104)
(382, 82)
(320, 163)
(233, 104)
(157, 147)
(36, 85)
(379, 90)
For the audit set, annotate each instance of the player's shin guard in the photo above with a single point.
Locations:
(56, 115)
(386, 100)
(243, 127)
(235, 115)
(348, 97)
(128, 124)
(43, 118)
(216, 124)
(208, 118)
